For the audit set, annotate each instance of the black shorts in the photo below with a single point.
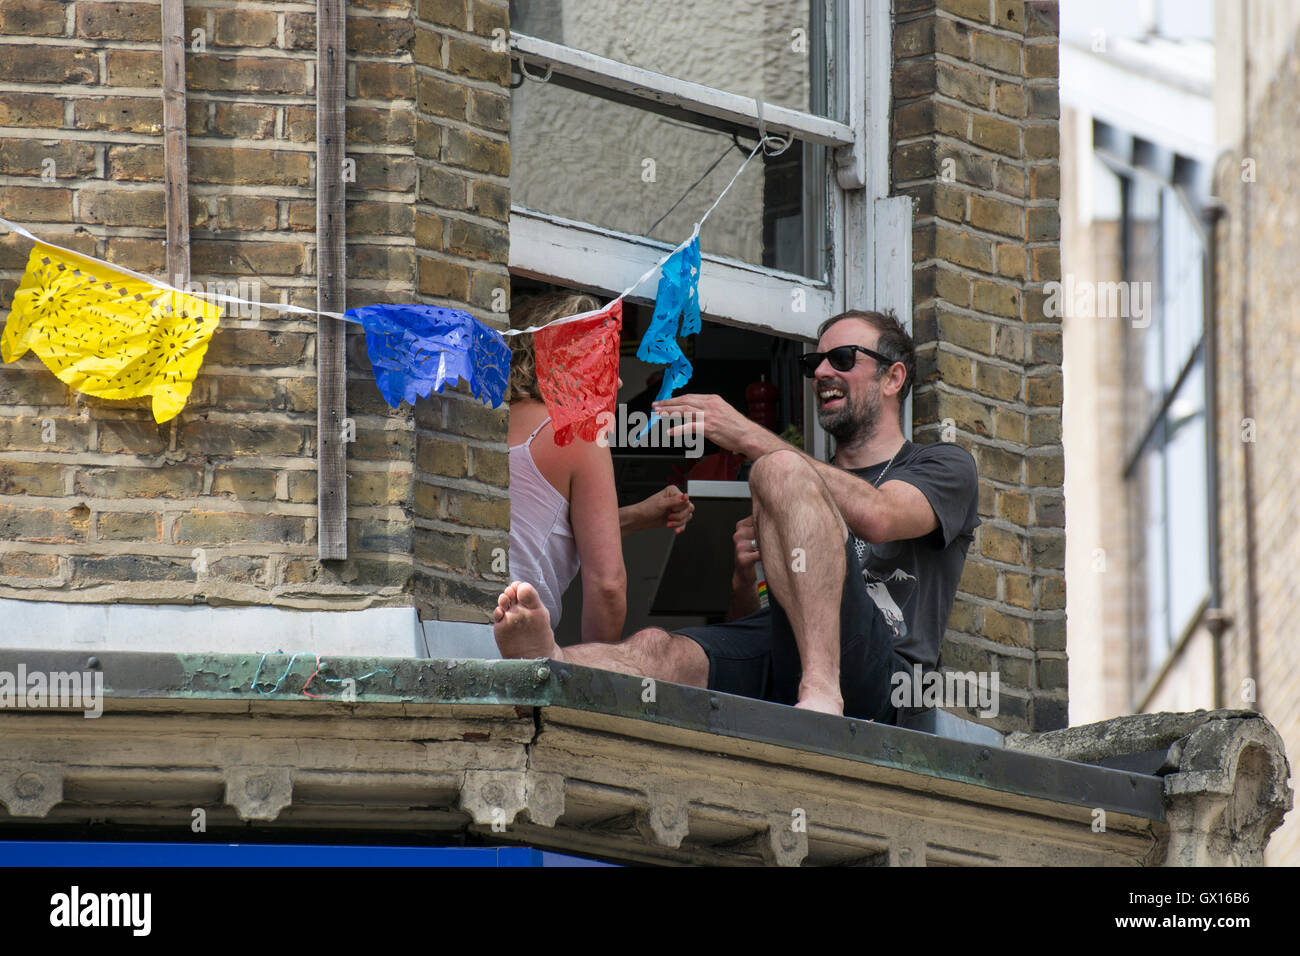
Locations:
(756, 656)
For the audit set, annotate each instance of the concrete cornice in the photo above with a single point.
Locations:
(545, 753)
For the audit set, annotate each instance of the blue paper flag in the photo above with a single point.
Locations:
(677, 296)
(675, 376)
(418, 349)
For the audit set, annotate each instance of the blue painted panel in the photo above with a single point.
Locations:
(54, 853)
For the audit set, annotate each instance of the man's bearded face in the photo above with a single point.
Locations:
(848, 406)
(849, 403)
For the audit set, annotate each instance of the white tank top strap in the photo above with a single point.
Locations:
(544, 423)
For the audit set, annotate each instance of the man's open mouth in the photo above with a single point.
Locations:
(830, 396)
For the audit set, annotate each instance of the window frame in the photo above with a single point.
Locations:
(869, 262)
(1176, 632)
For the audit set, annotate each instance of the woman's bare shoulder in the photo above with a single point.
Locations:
(524, 417)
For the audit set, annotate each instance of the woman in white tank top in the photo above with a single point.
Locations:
(564, 510)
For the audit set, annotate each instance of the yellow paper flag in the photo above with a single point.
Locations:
(106, 333)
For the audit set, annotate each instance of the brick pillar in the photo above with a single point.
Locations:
(462, 245)
(975, 141)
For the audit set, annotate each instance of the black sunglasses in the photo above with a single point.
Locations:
(841, 358)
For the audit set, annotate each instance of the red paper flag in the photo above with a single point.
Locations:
(577, 369)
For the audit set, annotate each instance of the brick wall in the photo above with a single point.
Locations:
(114, 507)
(1099, 553)
(1261, 217)
(975, 142)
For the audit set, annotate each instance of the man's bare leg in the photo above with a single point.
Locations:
(794, 510)
(523, 630)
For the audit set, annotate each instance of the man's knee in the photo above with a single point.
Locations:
(651, 641)
(780, 478)
(676, 656)
(778, 469)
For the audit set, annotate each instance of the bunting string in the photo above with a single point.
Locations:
(303, 310)
(111, 332)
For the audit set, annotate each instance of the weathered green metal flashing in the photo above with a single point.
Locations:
(544, 683)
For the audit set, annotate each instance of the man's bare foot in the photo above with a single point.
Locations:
(821, 700)
(521, 625)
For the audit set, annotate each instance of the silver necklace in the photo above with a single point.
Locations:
(880, 477)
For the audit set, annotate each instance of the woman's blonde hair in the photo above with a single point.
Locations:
(537, 310)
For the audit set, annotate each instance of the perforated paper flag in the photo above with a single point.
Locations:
(676, 297)
(418, 349)
(577, 369)
(106, 333)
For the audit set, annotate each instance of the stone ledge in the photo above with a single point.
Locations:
(548, 684)
(1225, 776)
(542, 753)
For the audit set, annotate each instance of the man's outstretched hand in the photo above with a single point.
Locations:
(712, 417)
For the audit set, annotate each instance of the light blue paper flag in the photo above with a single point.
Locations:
(676, 375)
(678, 297)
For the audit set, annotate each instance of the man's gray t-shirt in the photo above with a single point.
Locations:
(914, 581)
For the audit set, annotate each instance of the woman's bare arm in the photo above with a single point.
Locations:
(593, 512)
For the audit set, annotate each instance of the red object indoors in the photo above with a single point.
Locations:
(762, 398)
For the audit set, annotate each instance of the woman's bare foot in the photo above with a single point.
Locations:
(521, 625)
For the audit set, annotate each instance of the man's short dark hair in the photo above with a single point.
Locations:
(894, 341)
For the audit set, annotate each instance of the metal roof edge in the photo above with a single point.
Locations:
(545, 683)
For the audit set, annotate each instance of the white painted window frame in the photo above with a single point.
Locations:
(870, 264)
(671, 91)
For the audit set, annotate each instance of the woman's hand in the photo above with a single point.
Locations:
(670, 508)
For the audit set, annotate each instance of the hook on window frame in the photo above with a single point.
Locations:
(523, 71)
(764, 138)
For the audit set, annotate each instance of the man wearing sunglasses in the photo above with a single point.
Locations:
(861, 556)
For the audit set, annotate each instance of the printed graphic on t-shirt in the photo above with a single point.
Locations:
(879, 583)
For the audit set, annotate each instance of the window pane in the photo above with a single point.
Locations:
(595, 160)
(1187, 512)
(1181, 285)
(1153, 565)
(772, 49)
(1171, 518)
(1143, 357)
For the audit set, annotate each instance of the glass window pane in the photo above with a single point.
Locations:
(1157, 611)
(621, 167)
(1187, 511)
(772, 49)
(1181, 283)
(1143, 357)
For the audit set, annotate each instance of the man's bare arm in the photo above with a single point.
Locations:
(893, 512)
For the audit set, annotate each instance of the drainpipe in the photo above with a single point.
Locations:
(1215, 617)
(1247, 387)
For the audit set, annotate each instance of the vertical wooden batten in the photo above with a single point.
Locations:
(176, 166)
(331, 248)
